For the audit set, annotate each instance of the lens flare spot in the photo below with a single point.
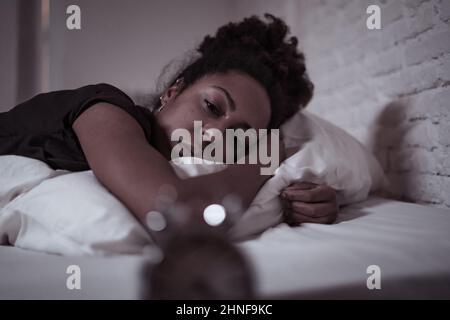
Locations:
(156, 221)
(214, 214)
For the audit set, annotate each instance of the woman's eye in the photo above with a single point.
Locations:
(213, 108)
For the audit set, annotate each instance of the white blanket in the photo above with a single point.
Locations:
(61, 212)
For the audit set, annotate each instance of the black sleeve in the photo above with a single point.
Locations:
(41, 127)
(55, 110)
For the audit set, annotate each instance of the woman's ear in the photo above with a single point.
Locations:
(173, 90)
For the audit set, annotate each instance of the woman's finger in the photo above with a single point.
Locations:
(295, 213)
(298, 219)
(287, 213)
(301, 186)
(315, 210)
(318, 194)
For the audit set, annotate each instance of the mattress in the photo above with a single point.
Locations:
(407, 244)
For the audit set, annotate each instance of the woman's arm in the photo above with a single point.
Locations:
(121, 158)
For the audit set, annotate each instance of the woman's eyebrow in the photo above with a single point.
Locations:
(230, 100)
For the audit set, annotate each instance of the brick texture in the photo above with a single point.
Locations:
(390, 88)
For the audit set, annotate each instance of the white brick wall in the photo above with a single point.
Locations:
(390, 88)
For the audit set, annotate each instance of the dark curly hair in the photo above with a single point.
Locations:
(258, 49)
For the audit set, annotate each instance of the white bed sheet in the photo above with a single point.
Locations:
(410, 243)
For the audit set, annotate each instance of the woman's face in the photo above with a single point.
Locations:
(223, 101)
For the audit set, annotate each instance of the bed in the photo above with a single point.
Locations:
(409, 243)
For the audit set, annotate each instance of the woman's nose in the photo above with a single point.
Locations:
(208, 136)
(220, 125)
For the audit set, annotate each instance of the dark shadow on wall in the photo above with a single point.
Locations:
(389, 136)
(29, 49)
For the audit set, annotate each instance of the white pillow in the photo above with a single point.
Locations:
(72, 213)
(327, 155)
(20, 174)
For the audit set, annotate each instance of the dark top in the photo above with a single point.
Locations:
(41, 128)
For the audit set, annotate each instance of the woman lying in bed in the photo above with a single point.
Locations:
(246, 76)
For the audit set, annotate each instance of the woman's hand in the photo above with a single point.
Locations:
(308, 202)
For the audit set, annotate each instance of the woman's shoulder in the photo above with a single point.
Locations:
(57, 110)
(105, 92)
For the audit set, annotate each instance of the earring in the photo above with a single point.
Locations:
(178, 82)
(162, 104)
